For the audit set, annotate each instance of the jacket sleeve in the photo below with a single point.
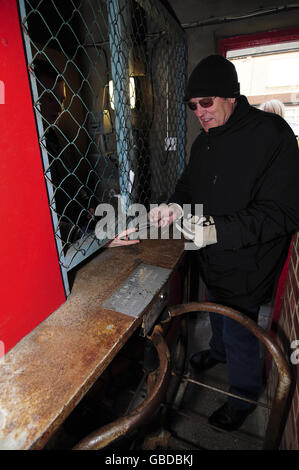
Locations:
(182, 191)
(274, 210)
(182, 194)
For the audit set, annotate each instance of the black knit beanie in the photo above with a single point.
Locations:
(213, 76)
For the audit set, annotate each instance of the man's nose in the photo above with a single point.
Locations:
(199, 111)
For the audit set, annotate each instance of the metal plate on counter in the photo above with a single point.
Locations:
(138, 290)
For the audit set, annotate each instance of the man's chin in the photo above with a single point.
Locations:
(206, 127)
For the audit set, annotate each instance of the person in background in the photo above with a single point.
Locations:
(244, 170)
(273, 106)
(277, 107)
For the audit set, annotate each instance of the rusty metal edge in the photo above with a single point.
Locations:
(111, 432)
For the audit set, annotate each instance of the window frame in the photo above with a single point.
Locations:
(275, 36)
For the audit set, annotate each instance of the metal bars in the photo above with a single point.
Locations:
(107, 78)
(280, 403)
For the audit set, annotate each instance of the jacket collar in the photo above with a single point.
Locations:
(236, 118)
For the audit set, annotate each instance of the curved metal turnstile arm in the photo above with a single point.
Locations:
(121, 427)
(111, 432)
(273, 432)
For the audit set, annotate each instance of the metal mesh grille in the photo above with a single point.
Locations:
(98, 144)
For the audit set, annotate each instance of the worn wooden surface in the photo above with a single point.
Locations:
(47, 373)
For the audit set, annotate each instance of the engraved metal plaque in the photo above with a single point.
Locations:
(136, 292)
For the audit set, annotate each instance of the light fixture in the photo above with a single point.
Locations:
(111, 94)
(107, 123)
(132, 93)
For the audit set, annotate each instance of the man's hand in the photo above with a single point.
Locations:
(201, 230)
(164, 214)
(122, 239)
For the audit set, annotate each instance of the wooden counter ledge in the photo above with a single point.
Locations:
(48, 372)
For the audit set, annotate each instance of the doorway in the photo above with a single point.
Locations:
(268, 68)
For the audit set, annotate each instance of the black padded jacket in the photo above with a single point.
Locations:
(246, 175)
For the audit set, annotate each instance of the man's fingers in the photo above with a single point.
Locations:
(117, 242)
(126, 233)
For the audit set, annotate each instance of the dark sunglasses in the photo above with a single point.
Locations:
(203, 102)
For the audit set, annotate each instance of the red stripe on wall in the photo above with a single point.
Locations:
(31, 282)
(257, 39)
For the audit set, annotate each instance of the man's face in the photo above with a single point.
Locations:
(215, 115)
(52, 101)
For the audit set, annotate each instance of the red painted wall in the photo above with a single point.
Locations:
(257, 39)
(30, 279)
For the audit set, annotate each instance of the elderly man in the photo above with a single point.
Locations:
(244, 170)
